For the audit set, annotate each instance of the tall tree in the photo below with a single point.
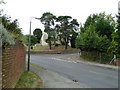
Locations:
(104, 24)
(48, 19)
(38, 33)
(91, 41)
(117, 39)
(67, 28)
(74, 26)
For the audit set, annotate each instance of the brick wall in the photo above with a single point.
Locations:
(0, 68)
(13, 64)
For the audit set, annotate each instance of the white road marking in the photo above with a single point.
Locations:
(63, 60)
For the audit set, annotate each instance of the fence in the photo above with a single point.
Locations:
(97, 57)
(13, 64)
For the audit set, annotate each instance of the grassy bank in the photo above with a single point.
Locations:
(29, 79)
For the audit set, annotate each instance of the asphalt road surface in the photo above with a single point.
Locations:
(90, 75)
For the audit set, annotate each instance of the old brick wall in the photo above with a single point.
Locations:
(0, 68)
(13, 64)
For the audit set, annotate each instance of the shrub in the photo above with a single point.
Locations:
(56, 44)
(5, 38)
(62, 42)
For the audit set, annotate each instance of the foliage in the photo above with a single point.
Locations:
(33, 39)
(67, 28)
(38, 33)
(62, 42)
(5, 38)
(97, 36)
(89, 40)
(48, 20)
(118, 34)
(12, 27)
(115, 45)
(56, 44)
(104, 24)
(73, 38)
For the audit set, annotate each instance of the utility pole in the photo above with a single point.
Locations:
(29, 46)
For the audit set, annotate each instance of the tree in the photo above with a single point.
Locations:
(38, 33)
(115, 46)
(73, 38)
(12, 27)
(104, 24)
(64, 28)
(67, 28)
(33, 40)
(91, 41)
(48, 19)
(118, 33)
(74, 26)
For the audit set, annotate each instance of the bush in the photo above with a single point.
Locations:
(56, 44)
(90, 41)
(33, 39)
(62, 42)
(87, 40)
(5, 38)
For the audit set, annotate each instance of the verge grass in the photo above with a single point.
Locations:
(38, 66)
(29, 79)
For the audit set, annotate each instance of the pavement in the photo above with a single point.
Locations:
(54, 80)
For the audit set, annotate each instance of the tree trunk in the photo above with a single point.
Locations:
(54, 40)
(66, 43)
(50, 44)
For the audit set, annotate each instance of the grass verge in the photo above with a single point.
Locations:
(29, 79)
(38, 66)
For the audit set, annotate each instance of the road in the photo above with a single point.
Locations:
(90, 75)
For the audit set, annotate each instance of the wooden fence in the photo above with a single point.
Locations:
(13, 64)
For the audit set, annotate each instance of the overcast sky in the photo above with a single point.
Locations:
(78, 9)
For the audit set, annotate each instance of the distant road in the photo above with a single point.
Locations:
(92, 76)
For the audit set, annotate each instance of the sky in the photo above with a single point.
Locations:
(23, 10)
